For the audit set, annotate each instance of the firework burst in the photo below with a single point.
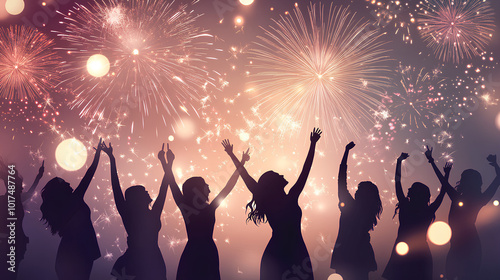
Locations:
(415, 97)
(322, 68)
(457, 29)
(28, 63)
(157, 56)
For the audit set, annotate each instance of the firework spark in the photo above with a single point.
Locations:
(158, 59)
(415, 96)
(457, 29)
(28, 63)
(325, 70)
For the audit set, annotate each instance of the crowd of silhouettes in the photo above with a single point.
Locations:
(66, 214)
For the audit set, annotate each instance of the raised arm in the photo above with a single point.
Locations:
(85, 182)
(230, 184)
(162, 194)
(439, 199)
(491, 190)
(343, 192)
(399, 188)
(452, 193)
(29, 194)
(249, 181)
(115, 182)
(167, 167)
(296, 189)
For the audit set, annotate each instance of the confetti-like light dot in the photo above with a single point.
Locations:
(98, 65)
(244, 136)
(460, 204)
(439, 233)
(402, 248)
(171, 138)
(14, 7)
(496, 203)
(246, 2)
(335, 276)
(238, 20)
(71, 154)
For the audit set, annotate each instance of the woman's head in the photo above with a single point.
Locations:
(368, 195)
(419, 194)
(271, 185)
(272, 181)
(195, 188)
(137, 196)
(470, 182)
(55, 196)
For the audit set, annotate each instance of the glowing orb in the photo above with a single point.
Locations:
(244, 136)
(171, 138)
(460, 204)
(246, 3)
(14, 7)
(496, 203)
(98, 65)
(238, 20)
(497, 121)
(135, 52)
(402, 248)
(71, 154)
(439, 233)
(185, 129)
(335, 276)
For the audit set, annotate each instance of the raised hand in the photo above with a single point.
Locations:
(170, 155)
(99, 146)
(107, 149)
(350, 146)
(227, 146)
(246, 156)
(41, 170)
(492, 159)
(447, 167)
(428, 153)
(161, 153)
(315, 135)
(403, 156)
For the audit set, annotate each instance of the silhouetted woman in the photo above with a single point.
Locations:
(285, 256)
(143, 259)
(415, 217)
(67, 214)
(14, 193)
(464, 258)
(200, 259)
(353, 257)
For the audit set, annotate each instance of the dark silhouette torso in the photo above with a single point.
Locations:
(417, 263)
(286, 248)
(200, 258)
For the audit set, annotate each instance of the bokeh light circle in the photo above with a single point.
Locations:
(335, 276)
(98, 65)
(246, 2)
(71, 154)
(402, 248)
(244, 136)
(439, 233)
(171, 138)
(185, 129)
(14, 7)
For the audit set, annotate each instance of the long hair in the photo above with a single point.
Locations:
(192, 189)
(368, 196)
(257, 206)
(419, 195)
(470, 181)
(55, 197)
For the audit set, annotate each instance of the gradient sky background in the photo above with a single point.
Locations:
(229, 112)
